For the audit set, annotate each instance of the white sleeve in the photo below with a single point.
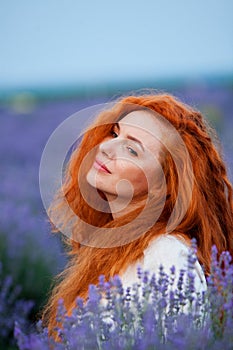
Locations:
(170, 251)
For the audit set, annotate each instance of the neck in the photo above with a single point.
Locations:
(120, 206)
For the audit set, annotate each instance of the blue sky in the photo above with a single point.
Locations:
(55, 42)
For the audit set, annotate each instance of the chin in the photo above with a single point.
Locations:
(94, 180)
(91, 178)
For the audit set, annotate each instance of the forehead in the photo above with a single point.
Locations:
(143, 125)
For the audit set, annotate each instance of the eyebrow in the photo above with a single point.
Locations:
(131, 137)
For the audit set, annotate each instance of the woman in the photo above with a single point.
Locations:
(144, 181)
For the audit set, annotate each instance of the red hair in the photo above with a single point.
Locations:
(208, 217)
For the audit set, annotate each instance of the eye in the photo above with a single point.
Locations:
(113, 133)
(132, 151)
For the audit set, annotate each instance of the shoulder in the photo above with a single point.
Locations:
(166, 240)
(166, 249)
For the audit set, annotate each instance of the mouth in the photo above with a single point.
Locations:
(100, 166)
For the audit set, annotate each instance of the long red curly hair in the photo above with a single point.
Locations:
(208, 217)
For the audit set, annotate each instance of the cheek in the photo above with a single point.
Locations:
(134, 174)
(128, 169)
(140, 181)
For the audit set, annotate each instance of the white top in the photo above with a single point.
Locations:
(166, 250)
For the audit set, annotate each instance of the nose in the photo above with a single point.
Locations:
(108, 148)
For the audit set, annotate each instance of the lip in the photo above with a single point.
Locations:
(100, 166)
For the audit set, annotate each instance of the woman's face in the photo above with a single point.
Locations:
(128, 159)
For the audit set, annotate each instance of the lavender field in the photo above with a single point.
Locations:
(29, 254)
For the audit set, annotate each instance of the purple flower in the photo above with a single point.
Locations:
(139, 321)
(12, 308)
